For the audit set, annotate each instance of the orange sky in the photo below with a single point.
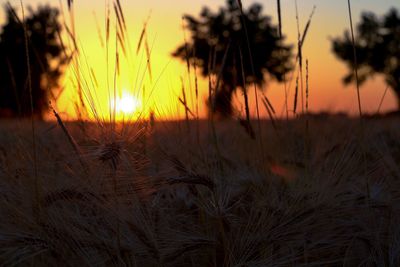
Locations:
(165, 33)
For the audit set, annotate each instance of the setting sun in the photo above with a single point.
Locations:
(127, 104)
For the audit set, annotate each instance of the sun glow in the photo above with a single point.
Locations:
(127, 104)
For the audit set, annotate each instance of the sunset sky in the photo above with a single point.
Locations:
(327, 93)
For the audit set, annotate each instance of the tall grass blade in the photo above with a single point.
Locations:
(253, 73)
(12, 10)
(121, 14)
(120, 27)
(121, 43)
(303, 37)
(148, 55)
(307, 85)
(71, 140)
(382, 99)
(187, 109)
(37, 185)
(296, 93)
(355, 58)
(270, 112)
(70, 2)
(246, 98)
(108, 25)
(279, 17)
(300, 56)
(142, 34)
(269, 104)
(184, 103)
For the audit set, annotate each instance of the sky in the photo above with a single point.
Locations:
(164, 34)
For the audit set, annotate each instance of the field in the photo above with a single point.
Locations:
(315, 191)
(239, 188)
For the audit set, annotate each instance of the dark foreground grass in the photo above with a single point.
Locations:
(154, 195)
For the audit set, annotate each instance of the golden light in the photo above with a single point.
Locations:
(127, 104)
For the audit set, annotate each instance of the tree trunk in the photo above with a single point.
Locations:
(222, 101)
(397, 93)
(396, 90)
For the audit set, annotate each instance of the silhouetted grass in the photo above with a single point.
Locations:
(222, 208)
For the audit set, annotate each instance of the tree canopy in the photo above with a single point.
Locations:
(377, 45)
(45, 55)
(238, 46)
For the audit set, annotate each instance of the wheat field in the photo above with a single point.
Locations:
(160, 195)
(309, 190)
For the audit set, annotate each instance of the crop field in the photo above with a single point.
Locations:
(313, 191)
(112, 155)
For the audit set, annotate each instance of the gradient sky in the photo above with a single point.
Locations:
(165, 33)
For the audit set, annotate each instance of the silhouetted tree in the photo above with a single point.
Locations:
(45, 56)
(377, 45)
(220, 46)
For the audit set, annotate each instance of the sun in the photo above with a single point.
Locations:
(127, 104)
